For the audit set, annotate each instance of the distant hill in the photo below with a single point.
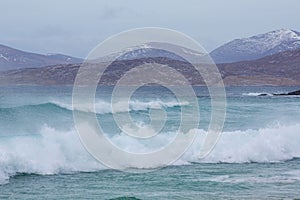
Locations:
(257, 46)
(11, 58)
(277, 69)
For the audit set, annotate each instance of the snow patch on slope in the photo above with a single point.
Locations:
(257, 46)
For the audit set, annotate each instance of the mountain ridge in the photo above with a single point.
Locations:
(243, 49)
(11, 58)
(257, 46)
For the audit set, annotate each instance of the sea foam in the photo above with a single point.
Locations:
(52, 151)
(105, 107)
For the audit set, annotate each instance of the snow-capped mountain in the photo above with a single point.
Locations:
(155, 50)
(11, 58)
(257, 46)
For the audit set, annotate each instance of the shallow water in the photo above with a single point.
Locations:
(196, 181)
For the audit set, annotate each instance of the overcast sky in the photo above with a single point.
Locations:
(75, 27)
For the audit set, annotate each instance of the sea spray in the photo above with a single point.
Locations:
(53, 152)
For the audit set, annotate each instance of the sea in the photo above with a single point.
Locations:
(257, 155)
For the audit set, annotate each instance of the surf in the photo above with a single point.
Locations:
(54, 151)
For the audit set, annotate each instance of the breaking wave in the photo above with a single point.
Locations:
(52, 151)
(104, 107)
(257, 94)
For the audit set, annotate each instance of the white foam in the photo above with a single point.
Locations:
(275, 144)
(282, 178)
(104, 107)
(257, 94)
(52, 151)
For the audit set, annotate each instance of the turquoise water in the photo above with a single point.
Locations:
(196, 181)
(257, 155)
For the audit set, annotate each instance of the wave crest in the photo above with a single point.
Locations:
(53, 151)
(104, 107)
